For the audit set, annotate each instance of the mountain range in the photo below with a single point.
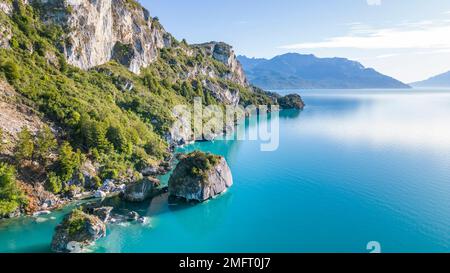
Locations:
(292, 70)
(441, 80)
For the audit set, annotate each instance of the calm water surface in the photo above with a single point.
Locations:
(353, 167)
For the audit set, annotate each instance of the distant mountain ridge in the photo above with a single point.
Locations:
(441, 80)
(293, 70)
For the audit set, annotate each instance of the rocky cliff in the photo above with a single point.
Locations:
(122, 30)
(5, 30)
(6, 7)
(103, 30)
(224, 53)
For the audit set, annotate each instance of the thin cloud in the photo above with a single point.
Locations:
(243, 22)
(384, 56)
(373, 2)
(416, 35)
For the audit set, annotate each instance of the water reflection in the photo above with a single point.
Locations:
(412, 120)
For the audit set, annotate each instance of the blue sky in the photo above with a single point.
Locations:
(406, 39)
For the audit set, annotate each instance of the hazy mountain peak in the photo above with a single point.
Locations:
(441, 80)
(294, 70)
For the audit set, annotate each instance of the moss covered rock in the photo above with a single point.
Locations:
(77, 231)
(199, 177)
(292, 101)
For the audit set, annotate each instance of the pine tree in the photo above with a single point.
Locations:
(25, 146)
(186, 90)
(10, 193)
(45, 144)
(116, 136)
(69, 161)
(54, 183)
(101, 141)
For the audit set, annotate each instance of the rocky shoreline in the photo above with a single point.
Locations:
(197, 177)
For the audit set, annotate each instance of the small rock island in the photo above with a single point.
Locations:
(77, 231)
(199, 177)
(291, 101)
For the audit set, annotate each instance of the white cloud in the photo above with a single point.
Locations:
(411, 35)
(373, 2)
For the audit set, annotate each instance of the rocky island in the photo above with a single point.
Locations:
(199, 177)
(77, 231)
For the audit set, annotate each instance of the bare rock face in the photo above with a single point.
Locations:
(222, 93)
(5, 30)
(141, 190)
(224, 53)
(199, 177)
(6, 7)
(77, 231)
(5, 34)
(103, 213)
(103, 30)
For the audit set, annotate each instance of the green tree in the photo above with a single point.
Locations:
(93, 134)
(11, 70)
(54, 183)
(10, 194)
(152, 84)
(116, 136)
(69, 161)
(25, 146)
(186, 90)
(45, 144)
(209, 100)
(99, 135)
(96, 182)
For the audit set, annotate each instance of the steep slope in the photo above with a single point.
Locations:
(102, 77)
(441, 80)
(15, 115)
(293, 70)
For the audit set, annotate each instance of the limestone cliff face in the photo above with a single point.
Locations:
(224, 53)
(6, 7)
(5, 36)
(5, 30)
(103, 30)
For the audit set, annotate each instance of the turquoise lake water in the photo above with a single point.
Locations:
(353, 167)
